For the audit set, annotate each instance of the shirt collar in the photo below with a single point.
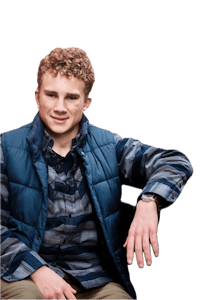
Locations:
(47, 141)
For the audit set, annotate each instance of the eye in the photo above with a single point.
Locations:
(51, 95)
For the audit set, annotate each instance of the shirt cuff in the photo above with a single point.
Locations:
(167, 194)
(31, 262)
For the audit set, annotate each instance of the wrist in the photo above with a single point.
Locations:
(145, 204)
(37, 272)
(150, 197)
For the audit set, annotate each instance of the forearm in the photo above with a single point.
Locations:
(17, 260)
(155, 170)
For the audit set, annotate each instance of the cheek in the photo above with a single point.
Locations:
(46, 106)
(74, 108)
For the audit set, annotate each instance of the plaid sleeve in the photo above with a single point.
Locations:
(17, 260)
(154, 170)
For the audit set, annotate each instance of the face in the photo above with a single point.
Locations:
(61, 102)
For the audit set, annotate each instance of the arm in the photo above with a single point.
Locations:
(157, 171)
(17, 260)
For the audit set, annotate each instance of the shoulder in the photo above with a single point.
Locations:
(15, 137)
(101, 136)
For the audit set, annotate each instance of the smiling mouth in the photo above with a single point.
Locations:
(59, 120)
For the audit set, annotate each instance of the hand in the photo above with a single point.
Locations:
(51, 285)
(142, 233)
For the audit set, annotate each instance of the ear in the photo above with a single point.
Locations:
(87, 103)
(37, 98)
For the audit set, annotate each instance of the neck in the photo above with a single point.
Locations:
(63, 142)
(62, 148)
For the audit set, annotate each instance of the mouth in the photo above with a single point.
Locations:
(59, 120)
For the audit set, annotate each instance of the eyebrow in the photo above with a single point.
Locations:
(67, 94)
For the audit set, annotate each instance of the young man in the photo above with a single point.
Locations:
(62, 231)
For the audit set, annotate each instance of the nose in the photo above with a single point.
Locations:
(60, 106)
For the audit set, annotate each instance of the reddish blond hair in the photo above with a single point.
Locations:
(68, 62)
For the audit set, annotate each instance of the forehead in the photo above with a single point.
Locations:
(62, 83)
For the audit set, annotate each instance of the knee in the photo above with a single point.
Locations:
(24, 289)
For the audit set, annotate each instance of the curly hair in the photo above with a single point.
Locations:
(68, 62)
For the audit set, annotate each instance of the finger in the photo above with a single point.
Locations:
(69, 287)
(125, 244)
(69, 292)
(61, 297)
(73, 290)
(66, 296)
(154, 243)
(138, 251)
(146, 249)
(69, 297)
(130, 249)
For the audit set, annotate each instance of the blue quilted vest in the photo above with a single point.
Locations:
(28, 190)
